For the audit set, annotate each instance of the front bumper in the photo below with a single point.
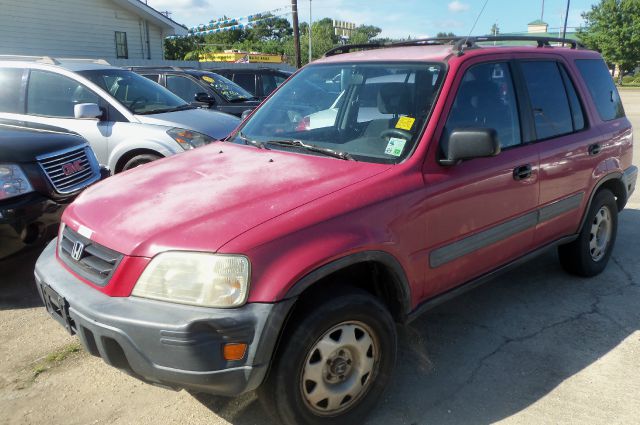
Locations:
(165, 344)
(26, 220)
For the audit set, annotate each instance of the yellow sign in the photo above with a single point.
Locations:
(405, 123)
(240, 57)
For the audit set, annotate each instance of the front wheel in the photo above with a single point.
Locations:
(589, 254)
(139, 160)
(335, 365)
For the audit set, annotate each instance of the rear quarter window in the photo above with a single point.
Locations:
(10, 83)
(603, 92)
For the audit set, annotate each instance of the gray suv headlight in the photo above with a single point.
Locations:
(189, 139)
(196, 278)
(13, 181)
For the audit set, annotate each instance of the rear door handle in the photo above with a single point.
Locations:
(522, 172)
(594, 149)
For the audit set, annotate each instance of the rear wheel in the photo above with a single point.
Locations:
(589, 254)
(139, 160)
(334, 365)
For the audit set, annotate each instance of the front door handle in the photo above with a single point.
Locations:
(594, 149)
(522, 172)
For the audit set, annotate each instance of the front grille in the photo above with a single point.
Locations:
(96, 263)
(71, 169)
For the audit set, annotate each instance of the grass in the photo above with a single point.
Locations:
(55, 358)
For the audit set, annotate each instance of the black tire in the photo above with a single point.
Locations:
(139, 160)
(580, 257)
(283, 392)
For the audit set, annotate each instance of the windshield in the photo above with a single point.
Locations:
(370, 112)
(138, 94)
(226, 88)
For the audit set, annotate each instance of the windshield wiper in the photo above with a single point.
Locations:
(313, 148)
(259, 145)
(162, 111)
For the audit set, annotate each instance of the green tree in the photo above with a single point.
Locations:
(364, 34)
(613, 28)
(445, 34)
(179, 48)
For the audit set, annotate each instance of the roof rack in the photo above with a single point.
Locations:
(173, 68)
(458, 43)
(51, 61)
(41, 59)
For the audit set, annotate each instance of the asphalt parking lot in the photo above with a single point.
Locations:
(534, 346)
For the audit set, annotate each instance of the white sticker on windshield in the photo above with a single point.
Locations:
(395, 146)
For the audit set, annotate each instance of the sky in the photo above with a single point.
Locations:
(397, 19)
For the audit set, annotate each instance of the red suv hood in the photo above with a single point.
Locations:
(201, 199)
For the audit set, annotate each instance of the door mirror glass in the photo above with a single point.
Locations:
(204, 98)
(470, 143)
(86, 111)
(245, 113)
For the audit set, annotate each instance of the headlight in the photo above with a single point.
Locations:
(189, 139)
(196, 278)
(13, 181)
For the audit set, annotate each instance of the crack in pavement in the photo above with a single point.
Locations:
(594, 309)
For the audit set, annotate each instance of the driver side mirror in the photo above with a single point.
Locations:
(470, 143)
(246, 113)
(84, 111)
(204, 98)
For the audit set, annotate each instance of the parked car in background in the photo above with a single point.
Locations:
(202, 88)
(128, 119)
(260, 81)
(42, 168)
(298, 250)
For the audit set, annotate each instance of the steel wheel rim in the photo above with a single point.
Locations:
(600, 233)
(339, 368)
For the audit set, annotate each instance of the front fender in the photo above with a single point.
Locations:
(126, 146)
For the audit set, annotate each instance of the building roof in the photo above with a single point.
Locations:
(538, 22)
(142, 9)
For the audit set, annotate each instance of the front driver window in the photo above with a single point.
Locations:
(486, 99)
(184, 87)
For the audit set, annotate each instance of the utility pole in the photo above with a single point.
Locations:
(310, 21)
(542, 14)
(566, 16)
(296, 32)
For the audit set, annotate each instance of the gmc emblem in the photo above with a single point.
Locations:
(72, 167)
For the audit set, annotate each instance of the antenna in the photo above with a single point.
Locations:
(474, 24)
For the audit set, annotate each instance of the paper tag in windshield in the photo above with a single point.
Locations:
(405, 123)
(207, 79)
(395, 146)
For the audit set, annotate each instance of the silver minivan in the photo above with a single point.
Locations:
(127, 119)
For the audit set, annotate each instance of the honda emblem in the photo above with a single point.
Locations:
(77, 250)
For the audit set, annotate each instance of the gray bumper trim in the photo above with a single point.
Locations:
(166, 344)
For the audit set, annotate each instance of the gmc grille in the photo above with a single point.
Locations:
(96, 263)
(71, 169)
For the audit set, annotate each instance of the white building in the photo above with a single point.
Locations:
(109, 29)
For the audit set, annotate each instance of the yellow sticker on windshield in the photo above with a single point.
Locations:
(405, 123)
(207, 79)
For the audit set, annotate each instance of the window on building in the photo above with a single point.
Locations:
(122, 51)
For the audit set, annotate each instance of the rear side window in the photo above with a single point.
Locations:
(153, 77)
(549, 101)
(601, 88)
(486, 99)
(10, 83)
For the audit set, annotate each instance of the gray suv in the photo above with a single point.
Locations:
(127, 119)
